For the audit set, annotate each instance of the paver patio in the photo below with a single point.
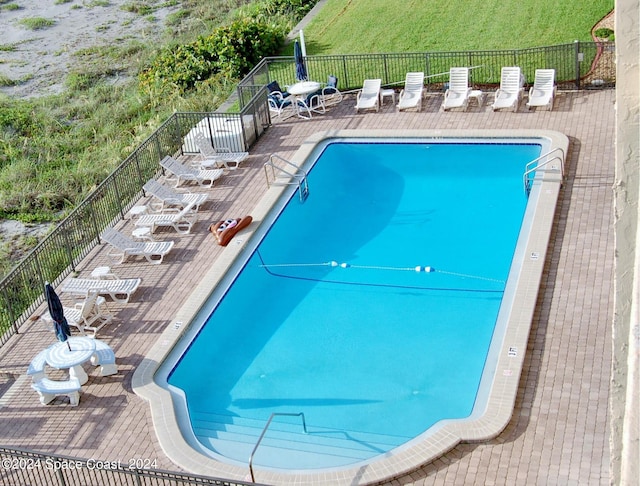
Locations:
(559, 433)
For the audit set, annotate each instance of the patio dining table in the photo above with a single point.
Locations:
(70, 355)
(301, 90)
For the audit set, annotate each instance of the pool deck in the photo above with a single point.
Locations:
(559, 433)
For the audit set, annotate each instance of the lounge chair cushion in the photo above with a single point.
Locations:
(274, 86)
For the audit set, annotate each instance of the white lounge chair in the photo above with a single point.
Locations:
(182, 173)
(165, 197)
(368, 98)
(457, 94)
(543, 90)
(122, 247)
(120, 290)
(411, 95)
(511, 89)
(217, 157)
(180, 220)
(88, 315)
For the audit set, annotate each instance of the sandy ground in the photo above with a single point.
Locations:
(39, 60)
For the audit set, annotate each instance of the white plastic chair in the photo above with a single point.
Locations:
(457, 94)
(368, 98)
(511, 89)
(217, 157)
(543, 91)
(182, 173)
(122, 247)
(411, 95)
(165, 197)
(89, 315)
(180, 220)
(120, 290)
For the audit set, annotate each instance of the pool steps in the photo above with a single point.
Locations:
(286, 445)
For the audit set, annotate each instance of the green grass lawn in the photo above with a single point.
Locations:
(56, 149)
(370, 26)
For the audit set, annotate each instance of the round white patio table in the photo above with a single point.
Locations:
(300, 91)
(59, 356)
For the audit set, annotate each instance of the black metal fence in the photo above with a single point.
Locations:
(58, 254)
(579, 65)
(25, 468)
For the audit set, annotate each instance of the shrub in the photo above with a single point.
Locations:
(604, 33)
(6, 81)
(267, 9)
(241, 45)
(36, 23)
(232, 50)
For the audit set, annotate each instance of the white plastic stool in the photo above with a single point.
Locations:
(103, 273)
(142, 233)
(477, 95)
(137, 211)
(387, 92)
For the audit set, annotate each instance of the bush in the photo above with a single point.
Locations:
(268, 9)
(36, 23)
(241, 45)
(604, 33)
(231, 50)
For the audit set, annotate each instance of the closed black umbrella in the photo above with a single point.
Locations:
(301, 70)
(60, 324)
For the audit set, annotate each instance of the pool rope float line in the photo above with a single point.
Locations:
(227, 229)
(417, 269)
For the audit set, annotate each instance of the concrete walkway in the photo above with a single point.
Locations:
(559, 432)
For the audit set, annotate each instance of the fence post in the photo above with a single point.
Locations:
(427, 69)
(118, 200)
(94, 221)
(386, 68)
(139, 170)
(346, 71)
(578, 59)
(67, 245)
(12, 316)
(158, 146)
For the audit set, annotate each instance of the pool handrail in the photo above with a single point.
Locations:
(531, 168)
(299, 175)
(264, 431)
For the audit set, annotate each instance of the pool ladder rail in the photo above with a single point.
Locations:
(264, 431)
(288, 174)
(535, 166)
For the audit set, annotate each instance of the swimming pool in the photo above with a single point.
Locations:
(381, 274)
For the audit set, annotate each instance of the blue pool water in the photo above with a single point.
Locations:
(330, 317)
